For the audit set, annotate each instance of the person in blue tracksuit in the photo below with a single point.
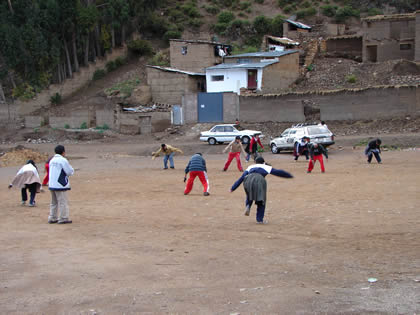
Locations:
(255, 186)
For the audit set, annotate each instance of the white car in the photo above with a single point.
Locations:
(290, 136)
(226, 133)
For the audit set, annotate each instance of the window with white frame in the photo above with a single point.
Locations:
(217, 77)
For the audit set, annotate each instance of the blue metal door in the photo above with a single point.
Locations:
(210, 107)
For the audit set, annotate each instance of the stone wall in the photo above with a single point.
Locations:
(168, 87)
(8, 114)
(69, 86)
(198, 57)
(371, 103)
(281, 75)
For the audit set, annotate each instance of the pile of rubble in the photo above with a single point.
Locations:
(19, 155)
(157, 107)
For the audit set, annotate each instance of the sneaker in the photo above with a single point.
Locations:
(262, 222)
(223, 170)
(206, 194)
(31, 204)
(165, 168)
(23, 203)
(52, 221)
(65, 222)
(247, 210)
(309, 172)
(172, 167)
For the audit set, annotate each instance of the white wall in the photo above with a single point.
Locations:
(234, 80)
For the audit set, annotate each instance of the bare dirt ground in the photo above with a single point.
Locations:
(138, 245)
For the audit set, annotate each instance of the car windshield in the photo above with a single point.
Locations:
(317, 130)
(285, 133)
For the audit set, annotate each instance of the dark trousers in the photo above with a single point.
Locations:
(32, 191)
(260, 209)
(377, 156)
(305, 153)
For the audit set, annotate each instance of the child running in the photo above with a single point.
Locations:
(235, 152)
(316, 151)
(252, 149)
(196, 167)
(255, 186)
(301, 148)
(27, 178)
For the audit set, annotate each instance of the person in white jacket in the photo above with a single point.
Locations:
(60, 170)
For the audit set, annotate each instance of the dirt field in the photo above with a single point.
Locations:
(138, 245)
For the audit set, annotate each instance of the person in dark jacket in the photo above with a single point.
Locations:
(253, 147)
(301, 148)
(196, 167)
(316, 151)
(374, 148)
(255, 186)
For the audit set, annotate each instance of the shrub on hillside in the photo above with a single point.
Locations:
(172, 35)
(374, 11)
(300, 14)
(120, 61)
(351, 78)
(277, 25)
(289, 8)
(195, 22)
(56, 99)
(329, 10)
(262, 24)
(244, 5)
(110, 66)
(259, 1)
(98, 74)
(160, 59)
(190, 9)
(346, 12)
(211, 9)
(140, 47)
(225, 17)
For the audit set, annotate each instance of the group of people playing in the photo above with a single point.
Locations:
(58, 170)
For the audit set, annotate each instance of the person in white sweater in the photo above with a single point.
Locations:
(60, 170)
(27, 178)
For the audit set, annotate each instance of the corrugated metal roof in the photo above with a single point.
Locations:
(282, 40)
(176, 70)
(265, 54)
(253, 65)
(299, 25)
(197, 41)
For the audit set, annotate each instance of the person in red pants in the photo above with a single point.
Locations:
(196, 167)
(235, 153)
(47, 173)
(316, 151)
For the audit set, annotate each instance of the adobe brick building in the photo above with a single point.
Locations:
(388, 37)
(169, 85)
(417, 44)
(195, 55)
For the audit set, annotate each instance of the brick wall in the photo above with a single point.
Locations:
(198, 57)
(281, 75)
(345, 46)
(169, 87)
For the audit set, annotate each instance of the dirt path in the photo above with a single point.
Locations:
(138, 245)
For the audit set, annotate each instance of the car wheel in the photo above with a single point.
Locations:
(245, 140)
(274, 148)
(212, 141)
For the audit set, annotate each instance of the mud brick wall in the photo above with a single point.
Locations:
(370, 103)
(262, 108)
(281, 75)
(198, 57)
(387, 35)
(348, 46)
(8, 114)
(169, 87)
(75, 120)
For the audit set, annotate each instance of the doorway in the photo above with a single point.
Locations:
(252, 79)
(372, 53)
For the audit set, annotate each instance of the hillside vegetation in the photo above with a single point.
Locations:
(46, 41)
